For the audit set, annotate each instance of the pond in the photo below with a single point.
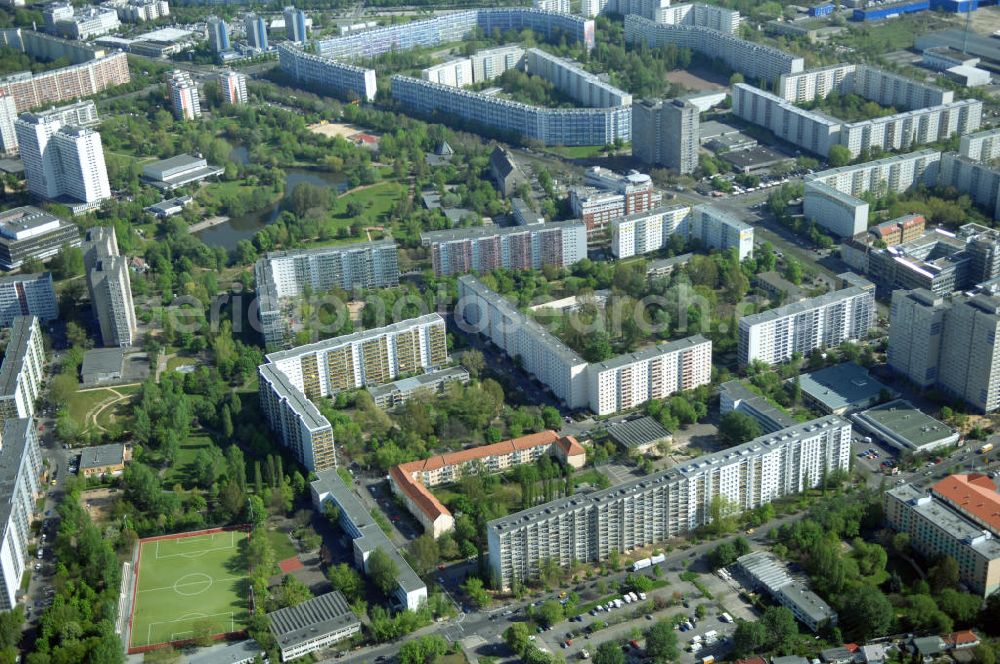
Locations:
(226, 235)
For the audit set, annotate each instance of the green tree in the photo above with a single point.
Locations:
(736, 428)
(517, 637)
(609, 652)
(661, 641)
(346, 579)
(779, 623)
(382, 571)
(292, 592)
(944, 574)
(424, 650)
(550, 612)
(473, 362)
(838, 155)
(722, 513)
(424, 553)
(867, 615)
(474, 588)
(749, 637)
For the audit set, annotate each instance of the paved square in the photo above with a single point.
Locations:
(190, 586)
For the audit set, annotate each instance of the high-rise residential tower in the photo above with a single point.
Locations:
(184, 95)
(218, 34)
(62, 160)
(666, 132)
(256, 28)
(233, 86)
(295, 24)
(110, 287)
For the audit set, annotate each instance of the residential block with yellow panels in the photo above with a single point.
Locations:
(291, 379)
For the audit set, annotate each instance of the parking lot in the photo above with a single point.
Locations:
(627, 623)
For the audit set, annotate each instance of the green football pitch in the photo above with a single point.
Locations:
(190, 587)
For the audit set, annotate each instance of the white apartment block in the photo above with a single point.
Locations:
(27, 295)
(647, 511)
(480, 67)
(833, 197)
(717, 230)
(630, 380)
(666, 132)
(8, 114)
(560, 6)
(551, 126)
(605, 387)
(21, 372)
(975, 178)
(724, 20)
(110, 287)
(326, 73)
(906, 130)
(646, 8)
(948, 343)
(649, 231)
(65, 20)
(542, 355)
(372, 357)
(139, 11)
(296, 420)
(879, 85)
(62, 160)
(826, 321)
(574, 81)
(485, 248)
(753, 60)
(20, 470)
(184, 96)
(981, 146)
(283, 276)
(818, 132)
(814, 132)
(233, 85)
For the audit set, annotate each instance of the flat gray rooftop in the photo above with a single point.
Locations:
(13, 359)
(638, 432)
(803, 306)
(101, 455)
(311, 619)
(908, 422)
(846, 385)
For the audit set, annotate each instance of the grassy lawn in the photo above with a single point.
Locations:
(119, 413)
(190, 585)
(180, 470)
(378, 200)
(180, 361)
(578, 151)
(81, 403)
(283, 548)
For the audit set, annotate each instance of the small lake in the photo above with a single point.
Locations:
(245, 227)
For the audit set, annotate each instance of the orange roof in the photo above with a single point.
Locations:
(419, 494)
(964, 638)
(974, 494)
(403, 474)
(756, 659)
(571, 446)
(851, 647)
(505, 447)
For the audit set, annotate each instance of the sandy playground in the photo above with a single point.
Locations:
(332, 129)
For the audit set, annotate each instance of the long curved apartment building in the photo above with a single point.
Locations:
(646, 511)
(330, 67)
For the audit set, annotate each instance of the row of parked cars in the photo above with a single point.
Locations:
(627, 598)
